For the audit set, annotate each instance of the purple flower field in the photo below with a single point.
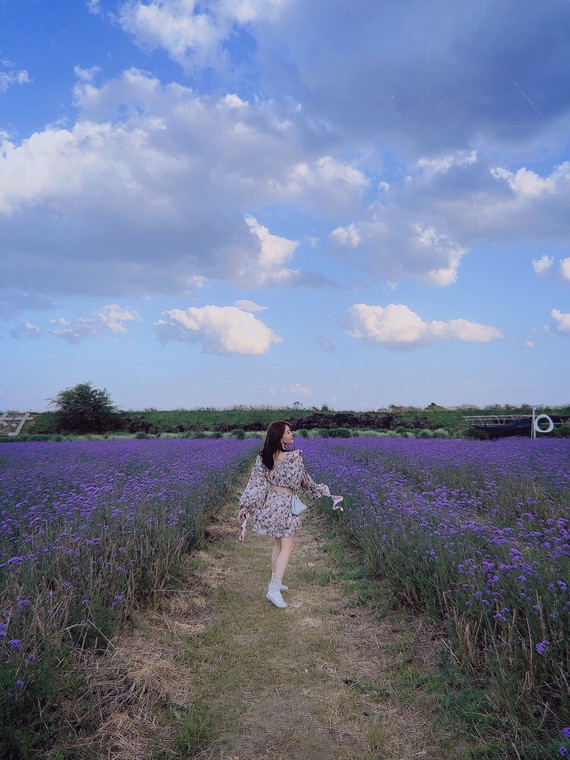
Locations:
(475, 533)
(89, 529)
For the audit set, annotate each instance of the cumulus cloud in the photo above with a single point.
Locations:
(423, 230)
(10, 76)
(150, 168)
(108, 320)
(113, 316)
(543, 264)
(546, 266)
(442, 164)
(273, 253)
(391, 247)
(219, 329)
(346, 236)
(561, 322)
(191, 33)
(75, 331)
(397, 326)
(246, 305)
(175, 26)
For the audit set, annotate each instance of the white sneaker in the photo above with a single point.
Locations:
(281, 586)
(274, 596)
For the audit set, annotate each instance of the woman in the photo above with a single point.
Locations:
(277, 474)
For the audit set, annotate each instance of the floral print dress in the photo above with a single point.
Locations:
(271, 510)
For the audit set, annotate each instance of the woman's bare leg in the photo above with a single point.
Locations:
(275, 554)
(283, 556)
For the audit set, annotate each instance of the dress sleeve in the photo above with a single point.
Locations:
(255, 491)
(312, 489)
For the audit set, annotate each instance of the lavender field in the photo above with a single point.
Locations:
(88, 530)
(476, 534)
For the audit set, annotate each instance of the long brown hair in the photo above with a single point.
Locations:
(272, 442)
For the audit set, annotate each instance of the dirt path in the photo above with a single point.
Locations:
(246, 681)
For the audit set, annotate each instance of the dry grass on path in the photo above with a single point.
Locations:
(244, 680)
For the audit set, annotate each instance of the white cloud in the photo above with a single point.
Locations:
(113, 317)
(152, 168)
(561, 322)
(347, 236)
(219, 329)
(525, 182)
(175, 26)
(190, 32)
(76, 331)
(430, 239)
(10, 77)
(246, 305)
(388, 246)
(444, 163)
(397, 326)
(543, 264)
(86, 75)
(110, 318)
(528, 207)
(327, 184)
(274, 250)
(565, 268)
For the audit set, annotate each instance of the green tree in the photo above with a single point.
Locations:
(85, 409)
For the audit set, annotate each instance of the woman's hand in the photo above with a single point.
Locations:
(337, 502)
(242, 514)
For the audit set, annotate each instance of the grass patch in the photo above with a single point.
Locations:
(196, 730)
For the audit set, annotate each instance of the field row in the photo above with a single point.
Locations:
(89, 530)
(477, 535)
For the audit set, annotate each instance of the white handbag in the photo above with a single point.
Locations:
(297, 507)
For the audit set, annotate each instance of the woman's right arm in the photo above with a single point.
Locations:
(255, 491)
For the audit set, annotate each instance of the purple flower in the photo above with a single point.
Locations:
(15, 643)
(562, 751)
(566, 732)
(542, 646)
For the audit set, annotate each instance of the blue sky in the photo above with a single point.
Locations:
(265, 202)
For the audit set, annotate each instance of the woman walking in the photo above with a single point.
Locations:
(278, 473)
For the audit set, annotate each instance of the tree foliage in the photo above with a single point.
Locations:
(85, 409)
